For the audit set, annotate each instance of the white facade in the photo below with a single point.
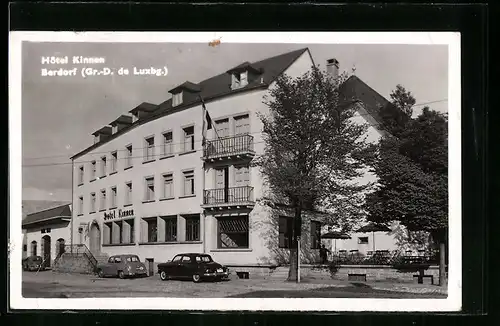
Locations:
(162, 196)
(50, 236)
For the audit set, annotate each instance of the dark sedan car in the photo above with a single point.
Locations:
(122, 266)
(33, 263)
(197, 267)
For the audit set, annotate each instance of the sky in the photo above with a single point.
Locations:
(59, 114)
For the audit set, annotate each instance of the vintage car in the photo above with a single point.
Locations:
(33, 263)
(195, 266)
(122, 266)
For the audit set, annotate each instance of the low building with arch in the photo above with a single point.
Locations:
(47, 232)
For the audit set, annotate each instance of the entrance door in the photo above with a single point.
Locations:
(46, 250)
(241, 181)
(151, 264)
(222, 131)
(95, 239)
(222, 184)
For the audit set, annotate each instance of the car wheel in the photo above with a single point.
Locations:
(100, 273)
(121, 274)
(163, 276)
(196, 278)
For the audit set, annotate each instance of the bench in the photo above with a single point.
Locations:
(356, 277)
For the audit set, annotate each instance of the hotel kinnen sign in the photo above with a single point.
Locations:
(121, 213)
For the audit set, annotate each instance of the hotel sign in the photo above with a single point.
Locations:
(121, 213)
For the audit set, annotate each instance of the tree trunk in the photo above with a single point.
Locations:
(442, 263)
(294, 253)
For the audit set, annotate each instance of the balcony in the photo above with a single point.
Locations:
(227, 148)
(226, 198)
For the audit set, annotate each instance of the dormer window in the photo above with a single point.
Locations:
(177, 99)
(243, 78)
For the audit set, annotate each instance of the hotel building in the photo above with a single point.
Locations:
(148, 186)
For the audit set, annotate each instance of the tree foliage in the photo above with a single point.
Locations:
(313, 147)
(413, 170)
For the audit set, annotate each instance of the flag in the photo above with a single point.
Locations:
(207, 121)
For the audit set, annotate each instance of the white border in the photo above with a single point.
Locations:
(452, 303)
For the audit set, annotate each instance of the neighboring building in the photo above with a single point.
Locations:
(147, 186)
(32, 206)
(47, 231)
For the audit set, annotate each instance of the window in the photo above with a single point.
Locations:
(118, 259)
(33, 248)
(189, 139)
(168, 185)
(235, 81)
(114, 161)
(177, 99)
(133, 259)
(243, 79)
(285, 231)
(363, 240)
(193, 228)
(102, 204)
(151, 230)
(170, 228)
(233, 232)
(128, 158)
(128, 193)
(149, 149)
(241, 177)
(315, 235)
(25, 248)
(241, 125)
(129, 231)
(150, 189)
(189, 183)
(113, 198)
(186, 259)
(92, 202)
(80, 205)
(119, 232)
(80, 175)
(92, 170)
(177, 258)
(103, 166)
(168, 144)
(108, 233)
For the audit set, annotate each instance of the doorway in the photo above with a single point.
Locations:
(95, 239)
(151, 266)
(222, 184)
(60, 246)
(46, 250)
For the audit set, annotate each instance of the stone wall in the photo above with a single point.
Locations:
(73, 263)
(373, 273)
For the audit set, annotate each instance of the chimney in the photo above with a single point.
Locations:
(332, 67)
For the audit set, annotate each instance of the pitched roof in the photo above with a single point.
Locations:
(187, 85)
(123, 119)
(210, 89)
(48, 214)
(145, 107)
(356, 89)
(104, 130)
(33, 206)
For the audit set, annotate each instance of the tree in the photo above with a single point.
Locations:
(413, 175)
(397, 114)
(312, 146)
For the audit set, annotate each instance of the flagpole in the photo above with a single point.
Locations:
(203, 140)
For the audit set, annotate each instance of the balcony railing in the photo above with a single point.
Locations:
(226, 147)
(228, 196)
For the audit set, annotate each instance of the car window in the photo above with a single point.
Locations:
(205, 259)
(111, 259)
(177, 258)
(118, 260)
(186, 259)
(133, 258)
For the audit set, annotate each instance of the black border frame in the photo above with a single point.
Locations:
(469, 19)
